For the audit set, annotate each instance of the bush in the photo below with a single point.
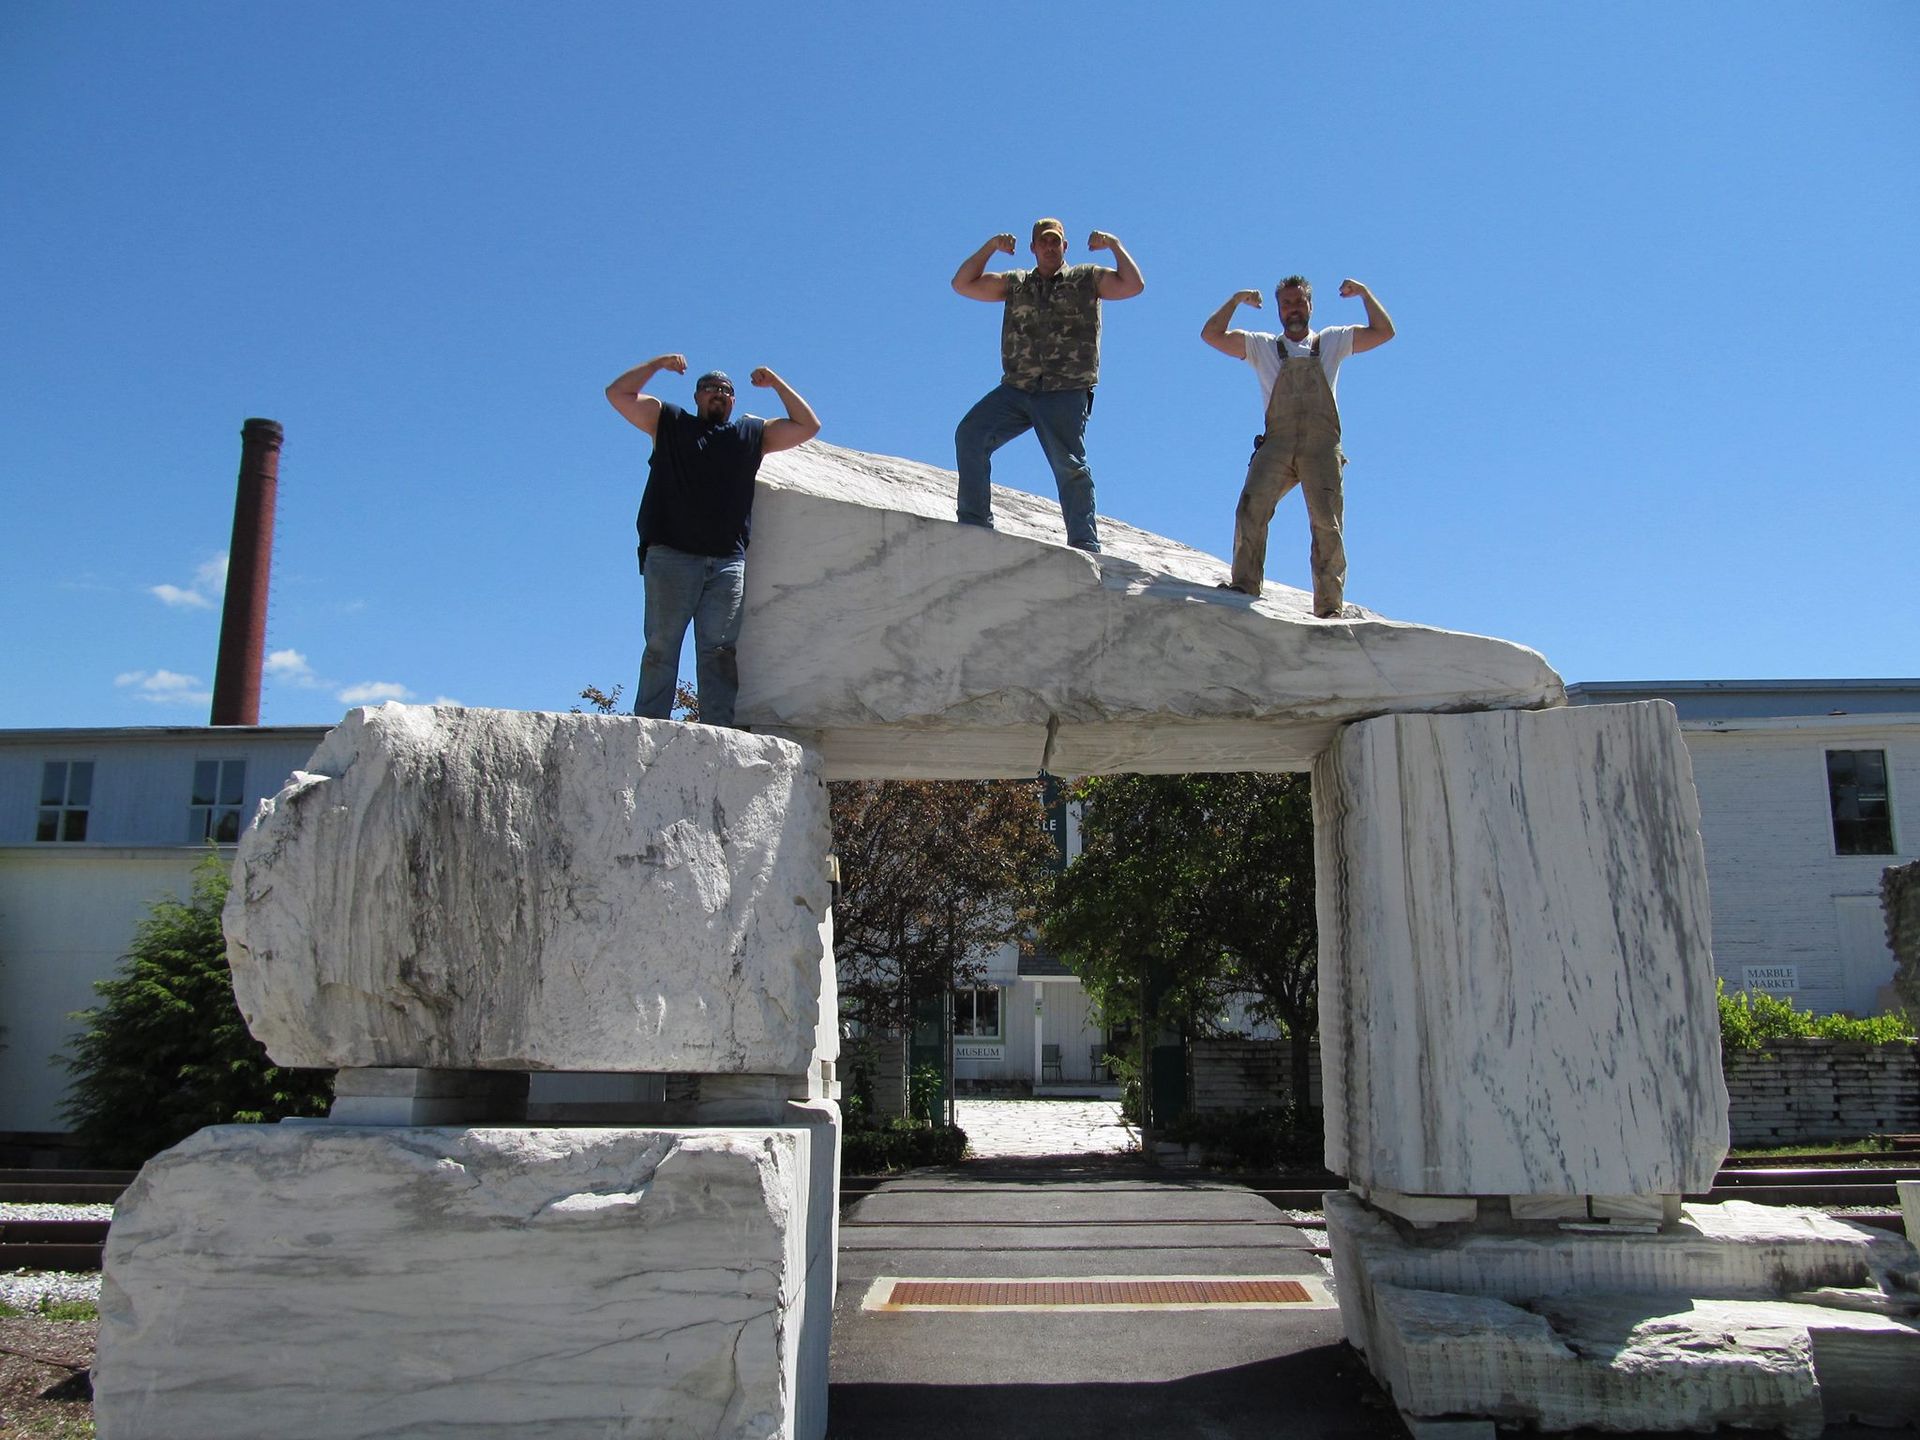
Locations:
(902, 1145)
(1126, 1070)
(1272, 1138)
(166, 1051)
(1751, 1019)
(926, 1093)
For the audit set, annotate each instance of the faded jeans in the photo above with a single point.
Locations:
(705, 590)
(1059, 418)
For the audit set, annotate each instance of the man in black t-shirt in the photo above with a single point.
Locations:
(695, 515)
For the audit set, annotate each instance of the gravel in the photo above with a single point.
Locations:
(24, 1210)
(26, 1289)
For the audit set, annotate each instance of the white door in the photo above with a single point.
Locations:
(1866, 963)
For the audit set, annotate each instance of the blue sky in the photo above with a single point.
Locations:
(1651, 409)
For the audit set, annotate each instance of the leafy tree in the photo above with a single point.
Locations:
(166, 1052)
(1192, 891)
(935, 876)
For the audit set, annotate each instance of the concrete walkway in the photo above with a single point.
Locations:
(1014, 1129)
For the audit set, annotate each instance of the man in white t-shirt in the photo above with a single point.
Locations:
(1297, 371)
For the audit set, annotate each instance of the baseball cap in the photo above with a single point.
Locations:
(713, 380)
(1041, 226)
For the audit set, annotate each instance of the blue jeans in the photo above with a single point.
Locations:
(1059, 418)
(706, 590)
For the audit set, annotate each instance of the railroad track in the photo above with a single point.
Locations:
(1862, 1184)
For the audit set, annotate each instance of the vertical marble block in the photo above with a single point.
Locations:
(460, 889)
(1516, 980)
(333, 1281)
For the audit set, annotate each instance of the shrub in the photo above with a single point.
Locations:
(1750, 1019)
(1126, 1069)
(166, 1052)
(1264, 1139)
(926, 1090)
(902, 1145)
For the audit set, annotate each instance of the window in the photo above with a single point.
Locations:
(1857, 791)
(66, 794)
(976, 1014)
(218, 788)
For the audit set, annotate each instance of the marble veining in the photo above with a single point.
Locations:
(1516, 973)
(900, 643)
(489, 889)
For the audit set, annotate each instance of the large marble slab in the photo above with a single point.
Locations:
(468, 889)
(903, 645)
(1516, 980)
(1753, 1316)
(345, 1282)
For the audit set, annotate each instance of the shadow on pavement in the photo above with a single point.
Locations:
(1328, 1396)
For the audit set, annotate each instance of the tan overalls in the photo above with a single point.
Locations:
(1301, 447)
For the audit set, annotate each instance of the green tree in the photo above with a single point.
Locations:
(166, 1052)
(1191, 891)
(934, 877)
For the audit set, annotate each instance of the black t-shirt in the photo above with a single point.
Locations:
(699, 495)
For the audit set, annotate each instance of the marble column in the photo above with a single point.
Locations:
(1516, 980)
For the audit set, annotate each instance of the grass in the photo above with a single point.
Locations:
(51, 1309)
(50, 1427)
(1879, 1144)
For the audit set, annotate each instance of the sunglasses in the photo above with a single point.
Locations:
(714, 390)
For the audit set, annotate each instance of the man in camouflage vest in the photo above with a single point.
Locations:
(1050, 362)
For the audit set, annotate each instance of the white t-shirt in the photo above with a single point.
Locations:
(1263, 353)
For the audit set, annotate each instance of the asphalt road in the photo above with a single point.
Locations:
(1058, 1374)
(1065, 1374)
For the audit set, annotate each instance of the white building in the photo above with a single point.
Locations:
(94, 826)
(1809, 789)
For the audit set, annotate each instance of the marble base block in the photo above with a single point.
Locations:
(1516, 979)
(333, 1281)
(459, 889)
(902, 645)
(1753, 1316)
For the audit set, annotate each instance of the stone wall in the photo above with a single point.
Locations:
(1900, 899)
(1800, 1090)
(1236, 1074)
(1804, 1090)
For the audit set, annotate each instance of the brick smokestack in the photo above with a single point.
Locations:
(243, 621)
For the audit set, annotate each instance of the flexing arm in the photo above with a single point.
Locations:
(1125, 282)
(1379, 324)
(624, 394)
(972, 280)
(1215, 331)
(801, 424)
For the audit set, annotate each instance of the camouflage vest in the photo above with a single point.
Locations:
(1050, 334)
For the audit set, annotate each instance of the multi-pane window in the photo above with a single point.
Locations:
(218, 786)
(66, 795)
(976, 1014)
(1857, 791)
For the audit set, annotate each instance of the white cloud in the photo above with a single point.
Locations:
(180, 599)
(373, 692)
(292, 667)
(164, 687)
(209, 580)
(449, 700)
